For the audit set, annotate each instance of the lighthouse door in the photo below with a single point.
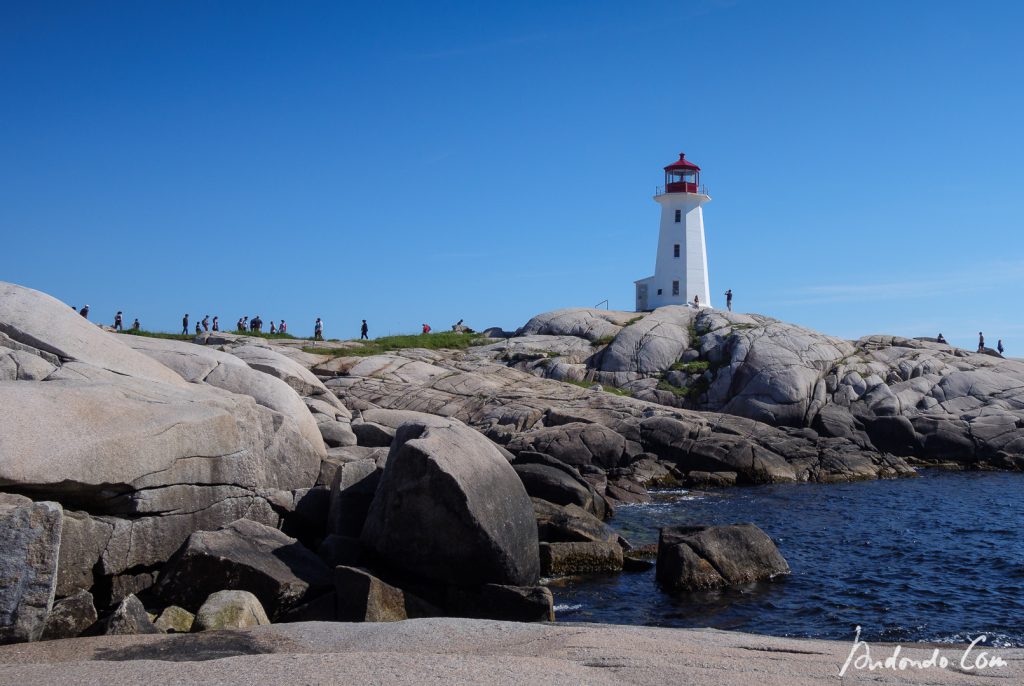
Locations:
(641, 297)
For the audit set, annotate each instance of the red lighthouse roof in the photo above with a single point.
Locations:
(682, 163)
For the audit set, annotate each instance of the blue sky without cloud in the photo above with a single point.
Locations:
(426, 162)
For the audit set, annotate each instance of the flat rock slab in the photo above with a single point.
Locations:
(437, 651)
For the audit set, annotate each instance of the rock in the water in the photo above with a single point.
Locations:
(70, 616)
(175, 620)
(130, 617)
(29, 545)
(560, 559)
(696, 558)
(495, 601)
(230, 610)
(450, 508)
(362, 597)
(569, 523)
(247, 556)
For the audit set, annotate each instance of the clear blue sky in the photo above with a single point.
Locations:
(492, 160)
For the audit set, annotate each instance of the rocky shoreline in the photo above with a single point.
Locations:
(143, 478)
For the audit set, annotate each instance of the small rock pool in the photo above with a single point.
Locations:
(936, 558)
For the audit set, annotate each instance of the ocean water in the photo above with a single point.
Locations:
(936, 558)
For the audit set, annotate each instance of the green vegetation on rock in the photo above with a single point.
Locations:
(446, 340)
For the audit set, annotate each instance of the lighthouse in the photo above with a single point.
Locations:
(681, 266)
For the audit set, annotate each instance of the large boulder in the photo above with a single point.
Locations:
(450, 508)
(43, 323)
(697, 558)
(245, 556)
(263, 359)
(29, 545)
(199, 364)
(569, 523)
(652, 344)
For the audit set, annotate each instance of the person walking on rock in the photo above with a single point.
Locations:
(273, 329)
(206, 322)
(135, 325)
(364, 331)
(283, 328)
(216, 323)
(245, 323)
(84, 312)
(318, 329)
(981, 342)
(118, 322)
(999, 346)
(184, 325)
(728, 300)
(426, 328)
(199, 329)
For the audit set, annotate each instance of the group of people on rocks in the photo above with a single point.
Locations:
(256, 325)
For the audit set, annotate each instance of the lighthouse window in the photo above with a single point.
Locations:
(679, 216)
(659, 291)
(675, 288)
(675, 250)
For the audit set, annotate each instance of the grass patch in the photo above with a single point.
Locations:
(607, 389)
(694, 367)
(603, 340)
(632, 321)
(431, 341)
(692, 391)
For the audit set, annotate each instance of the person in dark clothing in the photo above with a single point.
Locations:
(999, 346)
(206, 322)
(728, 300)
(981, 341)
(199, 329)
(118, 322)
(135, 325)
(318, 329)
(258, 323)
(216, 324)
(364, 331)
(184, 325)
(941, 339)
(84, 312)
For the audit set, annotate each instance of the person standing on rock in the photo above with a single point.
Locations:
(206, 322)
(216, 323)
(283, 328)
(941, 338)
(364, 331)
(696, 301)
(199, 329)
(84, 312)
(135, 325)
(728, 300)
(981, 342)
(318, 329)
(999, 346)
(245, 323)
(426, 328)
(273, 329)
(184, 325)
(118, 322)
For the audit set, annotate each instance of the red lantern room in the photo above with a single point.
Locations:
(682, 176)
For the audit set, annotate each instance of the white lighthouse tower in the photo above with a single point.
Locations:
(681, 267)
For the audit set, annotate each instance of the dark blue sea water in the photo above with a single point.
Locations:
(936, 558)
